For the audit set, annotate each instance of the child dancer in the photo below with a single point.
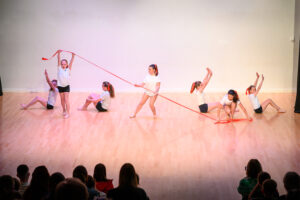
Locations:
(102, 101)
(151, 82)
(51, 96)
(63, 71)
(252, 93)
(229, 103)
(199, 87)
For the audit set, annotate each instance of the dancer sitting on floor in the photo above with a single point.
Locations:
(252, 93)
(151, 82)
(51, 96)
(102, 101)
(199, 87)
(229, 103)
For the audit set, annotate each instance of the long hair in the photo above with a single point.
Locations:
(253, 168)
(235, 95)
(154, 66)
(100, 172)
(127, 176)
(65, 61)
(195, 85)
(110, 88)
(248, 89)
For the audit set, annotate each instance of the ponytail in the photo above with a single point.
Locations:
(154, 66)
(248, 89)
(195, 85)
(110, 88)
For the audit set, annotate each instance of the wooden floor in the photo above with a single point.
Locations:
(179, 155)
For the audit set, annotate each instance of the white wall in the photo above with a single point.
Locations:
(235, 38)
(296, 46)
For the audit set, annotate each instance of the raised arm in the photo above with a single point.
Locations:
(260, 85)
(72, 60)
(257, 77)
(48, 80)
(206, 79)
(58, 57)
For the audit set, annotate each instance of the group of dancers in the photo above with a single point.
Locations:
(151, 84)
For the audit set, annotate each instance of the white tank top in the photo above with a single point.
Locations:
(254, 101)
(63, 77)
(200, 98)
(52, 97)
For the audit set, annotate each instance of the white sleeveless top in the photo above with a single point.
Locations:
(105, 102)
(63, 77)
(254, 101)
(200, 97)
(226, 102)
(150, 83)
(52, 97)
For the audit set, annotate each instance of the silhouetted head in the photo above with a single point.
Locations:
(80, 172)
(262, 176)
(291, 181)
(269, 189)
(100, 172)
(127, 176)
(23, 173)
(253, 168)
(71, 188)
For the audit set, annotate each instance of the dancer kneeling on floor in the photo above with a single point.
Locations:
(102, 101)
(229, 103)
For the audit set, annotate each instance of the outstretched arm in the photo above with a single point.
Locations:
(72, 60)
(257, 77)
(206, 79)
(245, 111)
(260, 85)
(48, 80)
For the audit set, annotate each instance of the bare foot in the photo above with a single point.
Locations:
(132, 116)
(66, 116)
(64, 113)
(23, 106)
(82, 108)
(281, 110)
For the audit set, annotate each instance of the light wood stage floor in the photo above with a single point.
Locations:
(178, 155)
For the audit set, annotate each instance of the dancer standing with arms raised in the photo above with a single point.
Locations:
(63, 78)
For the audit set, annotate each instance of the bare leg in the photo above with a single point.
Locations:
(67, 104)
(86, 104)
(268, 102)
(34, 101)
(151, 104)
(227, 110)
(62, 100)
(212, 106)
(140, 105)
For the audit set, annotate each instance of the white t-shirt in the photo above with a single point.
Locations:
(254, 101)
(63, 77)
(150, 83)
(105, 102)
(226, 102)
(52, 97)
(200, 97)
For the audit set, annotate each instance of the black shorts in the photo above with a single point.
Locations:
(49, 107)
(63, 89)
(258, 110)
(99, 107)
(203, 108)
